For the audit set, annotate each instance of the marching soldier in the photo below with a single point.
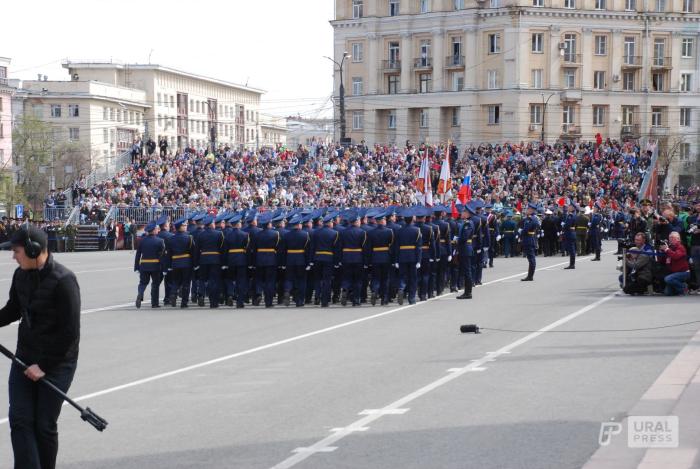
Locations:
(494, 233)
(148, 264)
(550, 229)
(581, 232)
(444, 241)
(381, 241)
(528, 235)
(407, 251)
(353, 241)
(265, 245)
(297, 262)
(181, 258)
(196, 231)
(465, 241)
(210, 246)
(251, 220)
(594, 232)
(569, 227)
(325, 256)
(237, 254)
(427, 252)
(508, 228)
(165, 234)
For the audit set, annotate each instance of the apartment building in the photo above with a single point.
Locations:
(508, 70)
(186, 108)
(6, 93)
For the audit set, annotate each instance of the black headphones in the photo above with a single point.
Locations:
(31, 248)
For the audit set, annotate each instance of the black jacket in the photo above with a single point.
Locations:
(48, 304)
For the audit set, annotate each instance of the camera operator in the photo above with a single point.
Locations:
(694, 240)
(666, 223)
(45, 298)
(676, 265)
(637, 224)
(638, 265)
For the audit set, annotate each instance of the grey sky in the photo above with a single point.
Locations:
(276, 45)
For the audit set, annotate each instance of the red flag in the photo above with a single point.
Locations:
(455, 213)
(561, 201)
(614, 205)
(519, 206)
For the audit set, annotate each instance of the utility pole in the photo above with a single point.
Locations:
(341, 93)
(544, 112)
(212, 129)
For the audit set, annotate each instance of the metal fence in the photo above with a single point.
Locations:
(56, 213)
(143, 215)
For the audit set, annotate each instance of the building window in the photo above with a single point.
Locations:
(685, 117)
(571, 4)
(687, 6)
(494, 3)
(357, 9)
(656, 114)
(459, 4)
(685, 151)
(657, 82)
(426, 83)
(423, 119)
(73, 134)
(601, 45)
(627, 115)
(537, 78)
(357, 52)
(598, 115)
(538, 43)
(111, 113)
(686, 81)
(628, 56)
(105, 136)
(660, 6)
(687, 48)
(492, 79)
(424, 6)
(391, 124)
(357, 86)
(659, 51)
(55, 110)
(357, 120)
(599, 80)
(393, 84)
(600, 4)
(105, 113)
(457, 82)
(455, 117)
(393, 7)
(537, 3)
(630, 5)
(494, 114)
(569, 78)
(570, 48)
(425, 53)
(494, 43)
(628, 81)
(567, 116)
(38, 111)
(138, 118)
(536, 114)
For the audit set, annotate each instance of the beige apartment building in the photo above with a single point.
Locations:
(184, 107)
(475, 71)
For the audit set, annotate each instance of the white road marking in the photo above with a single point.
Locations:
(266, 346)
(88, 311)
(399, 404)
(84, 272)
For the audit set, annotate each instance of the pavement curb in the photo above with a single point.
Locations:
(675, 392)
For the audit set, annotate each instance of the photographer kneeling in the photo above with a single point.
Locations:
(638, 266)
(676, 265)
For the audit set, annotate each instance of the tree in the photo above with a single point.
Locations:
(31, 153)
(669, 153)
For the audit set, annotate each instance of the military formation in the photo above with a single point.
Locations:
(352, 256)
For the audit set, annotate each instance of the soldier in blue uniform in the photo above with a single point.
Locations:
(569, 229)
(444, 240)
(407, 253)
(494, 233)
(210, 247)
(381, 242)
(165, 234)
(237, 255)
(265, 246)
(595, 231)
(620, 229)
(353, 244)
(148, 263)
(297, 261)
(477, 242)
(279, 225)
(325, 244)
(181, 257)
(508, 229)
(427, 252)
(528, 235)
(199, 229)
(316, 223)
(251, 227)
(465, 240)
(485, 242)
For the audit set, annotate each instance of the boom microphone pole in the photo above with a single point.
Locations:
(86, 414)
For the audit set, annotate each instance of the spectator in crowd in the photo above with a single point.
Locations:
(676, 265)
(639, 262)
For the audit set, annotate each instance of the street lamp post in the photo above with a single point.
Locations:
(212, 129)
(341, 92)
(544, 112)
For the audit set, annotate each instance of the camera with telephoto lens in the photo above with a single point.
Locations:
(692, 229)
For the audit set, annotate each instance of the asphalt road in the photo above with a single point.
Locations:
(369, 387)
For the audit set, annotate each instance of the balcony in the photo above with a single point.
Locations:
(572, 94)
(454, 62)
(570, 131)
(424, 63)
(630, 131)
(659, 131)
(661, 62)
(569, 60)
(3, 81)
(391, 66)
(631, 61)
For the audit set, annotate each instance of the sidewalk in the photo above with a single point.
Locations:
(675, 392)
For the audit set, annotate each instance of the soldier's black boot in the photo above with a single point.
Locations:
(373, 298)
(343, 297)
(597, 256)
(229, 301)
(166, 301)
(467, 295)
(530, 275)
(200, 301)
(572, 263)
(399, 296)
(139, 299)
(285, 298)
